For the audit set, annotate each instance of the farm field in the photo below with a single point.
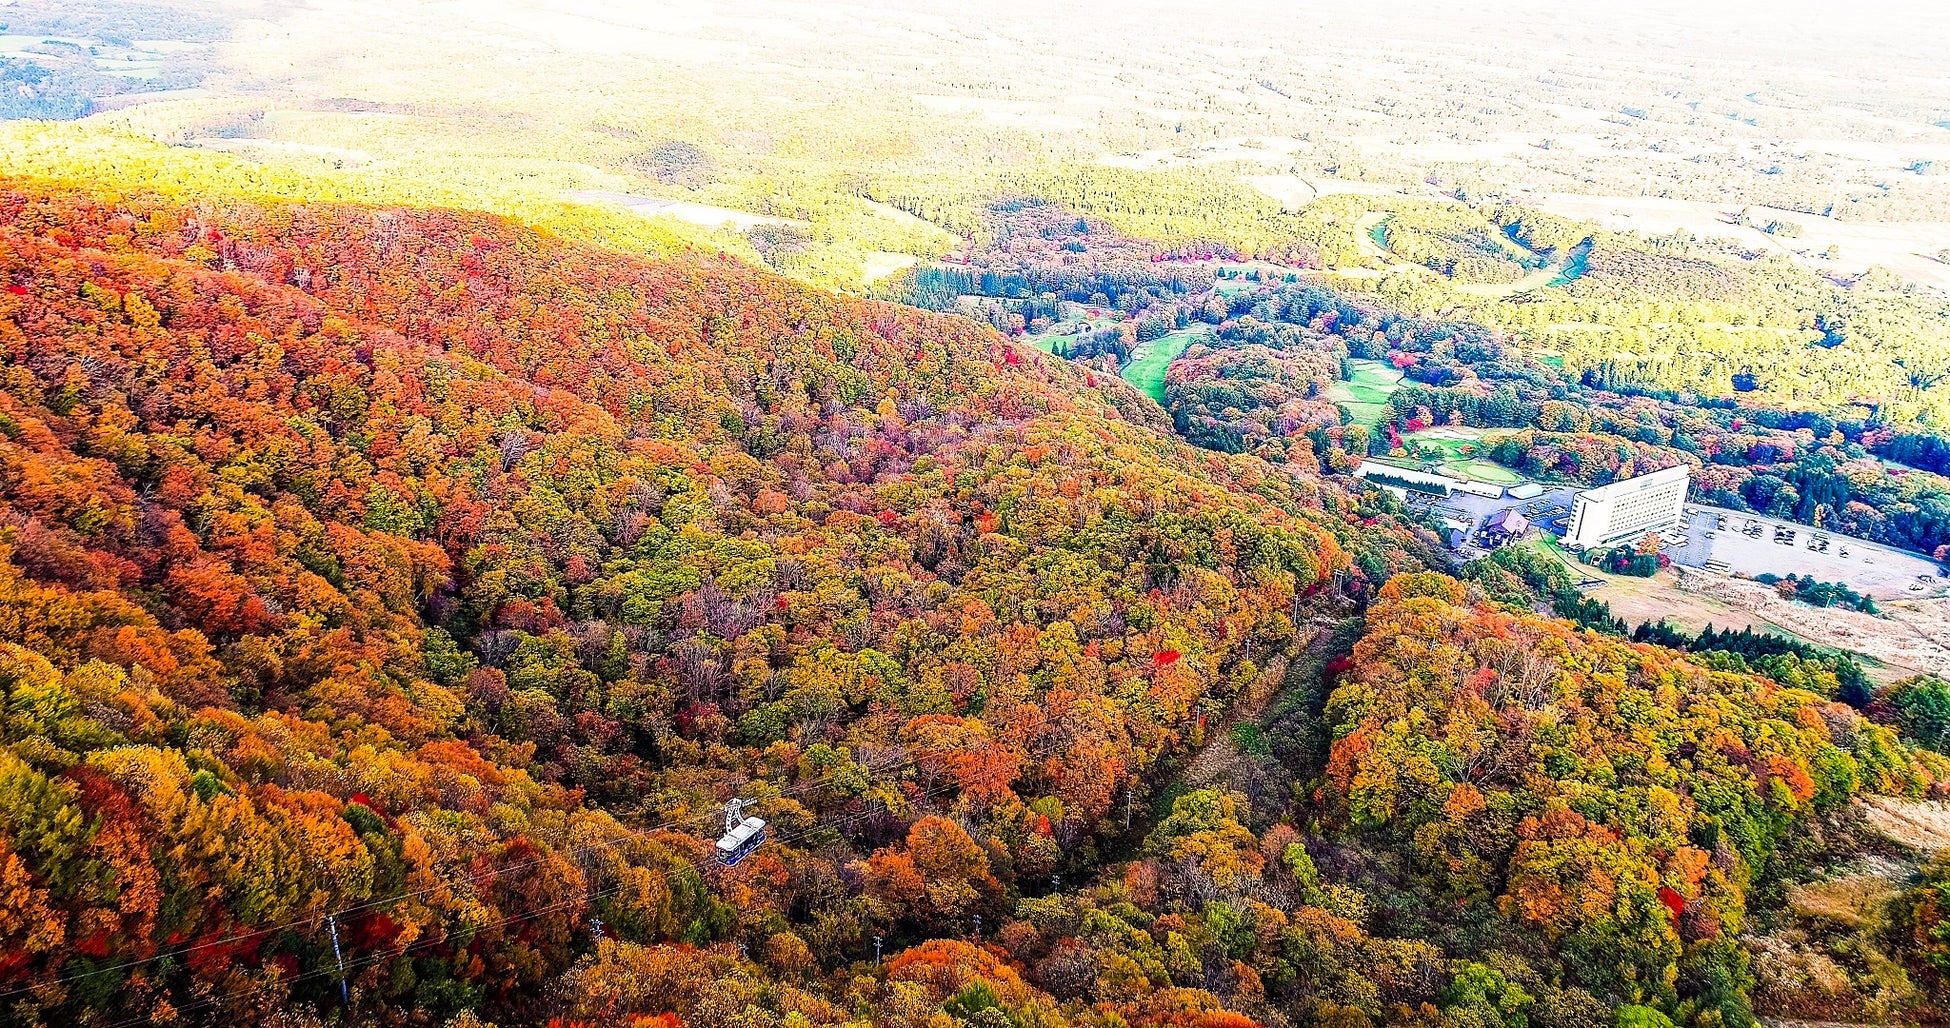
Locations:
(703, 215)
(1905, 247)
(1913, 637)
(1661, 598)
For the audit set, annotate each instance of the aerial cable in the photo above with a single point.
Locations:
(378, 902)
(381, 956)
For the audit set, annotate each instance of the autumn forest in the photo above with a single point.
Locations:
(408, 549)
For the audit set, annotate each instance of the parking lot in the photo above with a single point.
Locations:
(1553, 506)
(1731, 542)
(1723, 541)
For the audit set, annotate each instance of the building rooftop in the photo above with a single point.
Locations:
(1509, 522)
(1625, 486)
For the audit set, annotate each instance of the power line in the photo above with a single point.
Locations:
(379, 957)
(375, 903)
(471, 880)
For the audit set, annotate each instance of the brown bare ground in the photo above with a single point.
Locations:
(1660, 598)
(1913, 638)
(1855, 898)
(1921, 825)
(1903, 247)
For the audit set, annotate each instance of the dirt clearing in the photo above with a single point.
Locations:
(1913, 638)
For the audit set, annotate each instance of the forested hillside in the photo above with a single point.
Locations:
(422, 568)
(1585, 817)
(392, 596)
(449, 465)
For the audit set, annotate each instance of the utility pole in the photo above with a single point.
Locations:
(978, 928)
(596, 928)
(876, 951)
(345, 992)
(1127, 809)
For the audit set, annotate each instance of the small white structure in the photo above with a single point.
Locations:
(1488, 490)
(1526, 491)
(1628, 509)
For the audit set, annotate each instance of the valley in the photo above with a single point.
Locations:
(748, 514)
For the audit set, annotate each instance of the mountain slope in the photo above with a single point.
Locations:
(391, 563)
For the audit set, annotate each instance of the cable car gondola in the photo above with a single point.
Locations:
(742, 835)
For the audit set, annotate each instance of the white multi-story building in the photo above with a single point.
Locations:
(1626, 510)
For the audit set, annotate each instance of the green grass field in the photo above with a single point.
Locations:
(1146, 370)
(1458, 451)
(1482, 471)
(1365, 394)
(1074, 319)
(1448, 446)
(1044, 342)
